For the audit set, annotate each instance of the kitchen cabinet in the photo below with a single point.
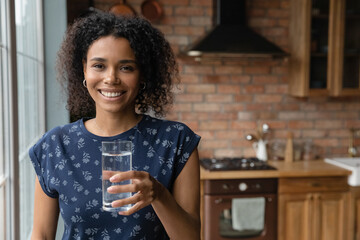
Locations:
(324, 42)
(314, 208)
(354, 213)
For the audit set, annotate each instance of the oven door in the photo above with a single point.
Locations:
(224, 214)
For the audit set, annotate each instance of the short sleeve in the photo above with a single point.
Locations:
(189, 142)
(39, 156)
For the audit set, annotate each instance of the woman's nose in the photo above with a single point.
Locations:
(111, 77)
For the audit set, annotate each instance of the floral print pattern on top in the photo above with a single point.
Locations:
(67, 161)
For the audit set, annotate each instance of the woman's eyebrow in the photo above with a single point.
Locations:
(99, 59)
(127, 61)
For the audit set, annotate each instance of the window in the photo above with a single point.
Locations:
(30, 85)
(22, 106)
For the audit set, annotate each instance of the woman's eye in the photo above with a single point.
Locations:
(127, 68)
(98, 66)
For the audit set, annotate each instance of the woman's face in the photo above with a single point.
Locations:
(112, 75)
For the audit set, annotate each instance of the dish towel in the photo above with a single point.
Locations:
(248, 213)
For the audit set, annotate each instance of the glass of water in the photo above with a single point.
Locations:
(116, 157)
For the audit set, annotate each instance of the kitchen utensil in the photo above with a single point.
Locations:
(122, 8)
(251, 137)
(152, 10)
(289, 150)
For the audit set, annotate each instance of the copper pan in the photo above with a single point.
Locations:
(122, 8)
(152, 10)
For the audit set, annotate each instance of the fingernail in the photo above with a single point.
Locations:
(112, 179)
(110, 189)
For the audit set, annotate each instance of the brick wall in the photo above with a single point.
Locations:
(224, 100)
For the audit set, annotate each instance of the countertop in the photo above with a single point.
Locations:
(316, 168)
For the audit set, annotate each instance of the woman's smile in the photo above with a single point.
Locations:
(111, 94)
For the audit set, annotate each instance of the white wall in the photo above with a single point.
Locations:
(55, 25)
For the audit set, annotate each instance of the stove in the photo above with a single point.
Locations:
(241, 163)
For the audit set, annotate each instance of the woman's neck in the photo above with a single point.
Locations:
(107, 125)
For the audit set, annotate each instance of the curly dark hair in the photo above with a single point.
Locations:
(154, 56)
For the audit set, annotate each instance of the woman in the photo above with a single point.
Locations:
(116, 69)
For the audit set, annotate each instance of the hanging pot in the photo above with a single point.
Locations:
(122, 8)
(152, 10)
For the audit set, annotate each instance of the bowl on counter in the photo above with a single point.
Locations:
(352, 164)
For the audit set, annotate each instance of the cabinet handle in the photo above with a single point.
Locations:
(218, 201)
(315, 184)
(310, 197)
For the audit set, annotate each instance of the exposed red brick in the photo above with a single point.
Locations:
(207, 107)
(314, 133)
(258, 107)
(189, 30)
(228, 70)
(229, 134)
(213, 144)
(243, 98)
(199, 69)
(227, 88)
(189, 11)
(219, 98)
(233, 107)
(262, 22)
(214, 125)
(177, 2)
(189, 78)
(185, 97)
(254, 89)
(301, 124)
(268, 98)
(240, 79)
(328, 142)
(257, 70)
(330, 124)
(200, 88)
(215, 79)
(201, 21)
(243, 125)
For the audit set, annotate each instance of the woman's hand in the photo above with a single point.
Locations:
(146, 189)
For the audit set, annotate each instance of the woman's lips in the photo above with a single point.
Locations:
(111, 94)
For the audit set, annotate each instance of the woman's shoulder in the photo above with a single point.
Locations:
(61, 131)
(166, 129)
(163, 124)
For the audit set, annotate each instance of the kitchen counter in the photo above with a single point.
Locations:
(317, 168)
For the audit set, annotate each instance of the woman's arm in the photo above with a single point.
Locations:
(46, 213)
(180, 212)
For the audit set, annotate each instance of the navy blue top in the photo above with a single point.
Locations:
(67, 161)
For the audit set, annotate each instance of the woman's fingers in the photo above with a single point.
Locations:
(122, 176)
(145, 187)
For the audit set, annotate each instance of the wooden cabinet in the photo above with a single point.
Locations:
(313, 208)
(324, 42)
(354, 213)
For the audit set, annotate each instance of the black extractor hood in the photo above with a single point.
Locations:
(231, 37)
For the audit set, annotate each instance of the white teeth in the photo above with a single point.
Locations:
(111, 94)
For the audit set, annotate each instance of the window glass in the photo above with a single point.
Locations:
(30, 69)
(2, 209)
(3, 77)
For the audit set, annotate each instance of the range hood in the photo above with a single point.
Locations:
(231, 37)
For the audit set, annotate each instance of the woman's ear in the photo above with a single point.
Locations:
(84, 67)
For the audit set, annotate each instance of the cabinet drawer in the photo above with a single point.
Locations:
(316, 184)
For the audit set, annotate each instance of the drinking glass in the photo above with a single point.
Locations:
(116, 158)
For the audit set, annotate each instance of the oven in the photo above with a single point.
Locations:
(240, 209)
